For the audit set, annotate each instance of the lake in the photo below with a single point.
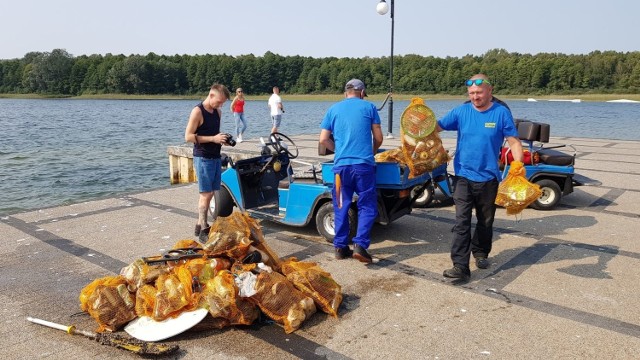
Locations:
(61, 151)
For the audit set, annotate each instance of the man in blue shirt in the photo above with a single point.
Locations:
(482, 125)
(355, 126)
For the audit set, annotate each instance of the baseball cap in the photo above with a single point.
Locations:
(355, 84)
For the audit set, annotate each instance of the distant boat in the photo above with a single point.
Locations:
(624, 101)
(567, 100)
(532, 100)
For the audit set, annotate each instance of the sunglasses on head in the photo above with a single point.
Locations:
(477, 82)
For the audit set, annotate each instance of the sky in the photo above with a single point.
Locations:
(328, 28)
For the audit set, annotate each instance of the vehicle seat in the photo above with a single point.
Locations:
(532, 131)
(555, 157)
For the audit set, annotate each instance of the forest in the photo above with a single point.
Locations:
(58, 73)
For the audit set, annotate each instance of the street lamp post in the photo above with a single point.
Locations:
(382, 8)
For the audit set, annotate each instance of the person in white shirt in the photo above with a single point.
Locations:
(275, 104)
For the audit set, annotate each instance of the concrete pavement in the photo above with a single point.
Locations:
(562, 284)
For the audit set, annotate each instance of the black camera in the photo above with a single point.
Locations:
(230, 140)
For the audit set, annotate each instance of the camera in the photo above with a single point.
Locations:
(230, 140)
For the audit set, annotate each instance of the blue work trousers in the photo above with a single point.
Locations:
(361, 180)
(467, 196)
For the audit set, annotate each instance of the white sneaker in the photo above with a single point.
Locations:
(240, 138)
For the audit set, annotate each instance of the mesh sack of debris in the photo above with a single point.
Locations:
(233, 236)
(313, 281)
(220, 297)
(281, 301)
(139, 273)
(428, 154)
(392, 155)
(421, 144)
(174, 294)
(145, 300)
(212, 267)
(109, 302)
(515, 192)
(234, 245)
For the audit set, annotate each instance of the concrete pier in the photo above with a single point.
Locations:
(563, 284)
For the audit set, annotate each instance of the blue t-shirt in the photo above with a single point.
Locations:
(480, 137)
(350, 121)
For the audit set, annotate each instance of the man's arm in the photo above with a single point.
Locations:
(377, 137)
(195, 119)
(325, 140)
(516, 148)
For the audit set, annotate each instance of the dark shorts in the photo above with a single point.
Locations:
(208, 172)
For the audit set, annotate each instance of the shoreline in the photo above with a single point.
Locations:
(330, 97)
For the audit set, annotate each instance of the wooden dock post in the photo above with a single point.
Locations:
(181, 169)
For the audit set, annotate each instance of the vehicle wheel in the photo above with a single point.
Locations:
(425, 198)
(325, 221)
(550, 197)
(221, 204)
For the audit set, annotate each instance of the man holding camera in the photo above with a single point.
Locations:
(203, 130)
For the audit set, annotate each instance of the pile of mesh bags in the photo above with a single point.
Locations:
(235, 275)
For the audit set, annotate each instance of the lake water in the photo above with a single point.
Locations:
(57, 152)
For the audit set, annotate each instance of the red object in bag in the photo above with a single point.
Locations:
(506, 157)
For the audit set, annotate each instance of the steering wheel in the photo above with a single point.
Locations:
(283, 145)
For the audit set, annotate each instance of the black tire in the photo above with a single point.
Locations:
(325, 221)
(425, 198)
(221, 204)
(550, 197)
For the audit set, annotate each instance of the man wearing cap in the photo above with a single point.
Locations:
(482, 124)
(355, 126)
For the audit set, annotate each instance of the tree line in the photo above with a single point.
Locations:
(59, 73)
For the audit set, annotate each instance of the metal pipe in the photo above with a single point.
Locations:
(390, 123)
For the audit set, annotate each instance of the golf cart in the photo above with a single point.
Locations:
(547, 167)
(267, 188)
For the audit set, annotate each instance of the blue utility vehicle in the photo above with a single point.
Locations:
(266, 187)
(551, 169)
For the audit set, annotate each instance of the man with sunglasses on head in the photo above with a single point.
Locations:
(482, 124)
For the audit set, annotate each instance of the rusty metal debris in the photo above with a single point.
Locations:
(110, 339)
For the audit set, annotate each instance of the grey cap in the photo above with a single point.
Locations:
(355, 84)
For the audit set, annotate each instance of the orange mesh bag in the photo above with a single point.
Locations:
(515, 193)
(421, 144)
(393, 155)
(234, 245)
(231, 236)
(139, 273)
(196, 266)
(220, 297)
(212, 267)
(173, 294)
(281, 301)
(186, 243)
(145, 300)
(109, 302)
(312, 280)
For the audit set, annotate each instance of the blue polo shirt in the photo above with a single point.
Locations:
(480, 137)
(350, 121)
